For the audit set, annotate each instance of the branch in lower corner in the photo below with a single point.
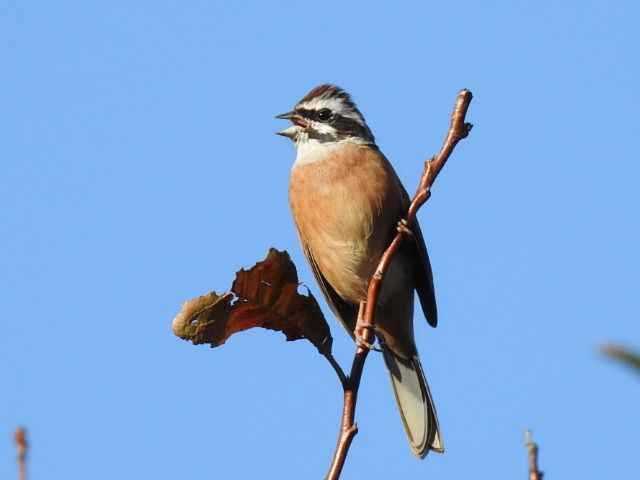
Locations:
(532, 455)
(20, 438)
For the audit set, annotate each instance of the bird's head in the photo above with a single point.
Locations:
(326, 114)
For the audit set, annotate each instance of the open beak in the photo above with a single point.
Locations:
(286, 116)
(297, 121)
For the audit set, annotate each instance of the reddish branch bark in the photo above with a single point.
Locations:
(20, 437)
(532, 455)
(458, 130)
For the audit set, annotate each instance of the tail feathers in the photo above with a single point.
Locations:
(414, 401)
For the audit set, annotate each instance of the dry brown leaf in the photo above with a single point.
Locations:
(264, 296)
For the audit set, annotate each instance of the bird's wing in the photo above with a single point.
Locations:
(341, 309)
(416, 250)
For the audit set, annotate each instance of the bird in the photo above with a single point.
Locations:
(346, 201)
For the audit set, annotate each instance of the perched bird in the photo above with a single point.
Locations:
(346, 200)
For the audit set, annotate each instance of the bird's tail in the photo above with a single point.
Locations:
(414, 401)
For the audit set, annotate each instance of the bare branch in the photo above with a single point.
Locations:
(624, 355)
(458, 130)
(532, 454)
(20, 438)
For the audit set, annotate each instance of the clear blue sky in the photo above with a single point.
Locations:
(139, 168)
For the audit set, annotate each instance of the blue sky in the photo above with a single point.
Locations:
(139, 168)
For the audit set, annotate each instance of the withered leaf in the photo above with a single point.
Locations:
(264, 296)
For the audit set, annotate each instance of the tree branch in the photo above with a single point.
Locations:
(20, 438)
(532, 455)
(458, 130)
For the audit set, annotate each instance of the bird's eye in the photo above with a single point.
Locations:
(324, 114)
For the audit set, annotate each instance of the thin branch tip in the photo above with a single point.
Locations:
(20, 438)
(532, 455)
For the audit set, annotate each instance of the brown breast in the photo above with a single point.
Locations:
(345, 207)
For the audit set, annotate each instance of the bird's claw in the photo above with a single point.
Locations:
(359, 337)
(403, 227)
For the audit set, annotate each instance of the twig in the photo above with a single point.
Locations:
(344, 380)
(20, 437)
(532, 454)
(458, 130)
(624, 355)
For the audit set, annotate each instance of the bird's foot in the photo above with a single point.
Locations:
(403, 227)
(358, 334)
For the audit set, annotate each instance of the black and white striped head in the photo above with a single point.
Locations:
(326, 115)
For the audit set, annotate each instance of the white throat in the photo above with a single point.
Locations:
(312, 150)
